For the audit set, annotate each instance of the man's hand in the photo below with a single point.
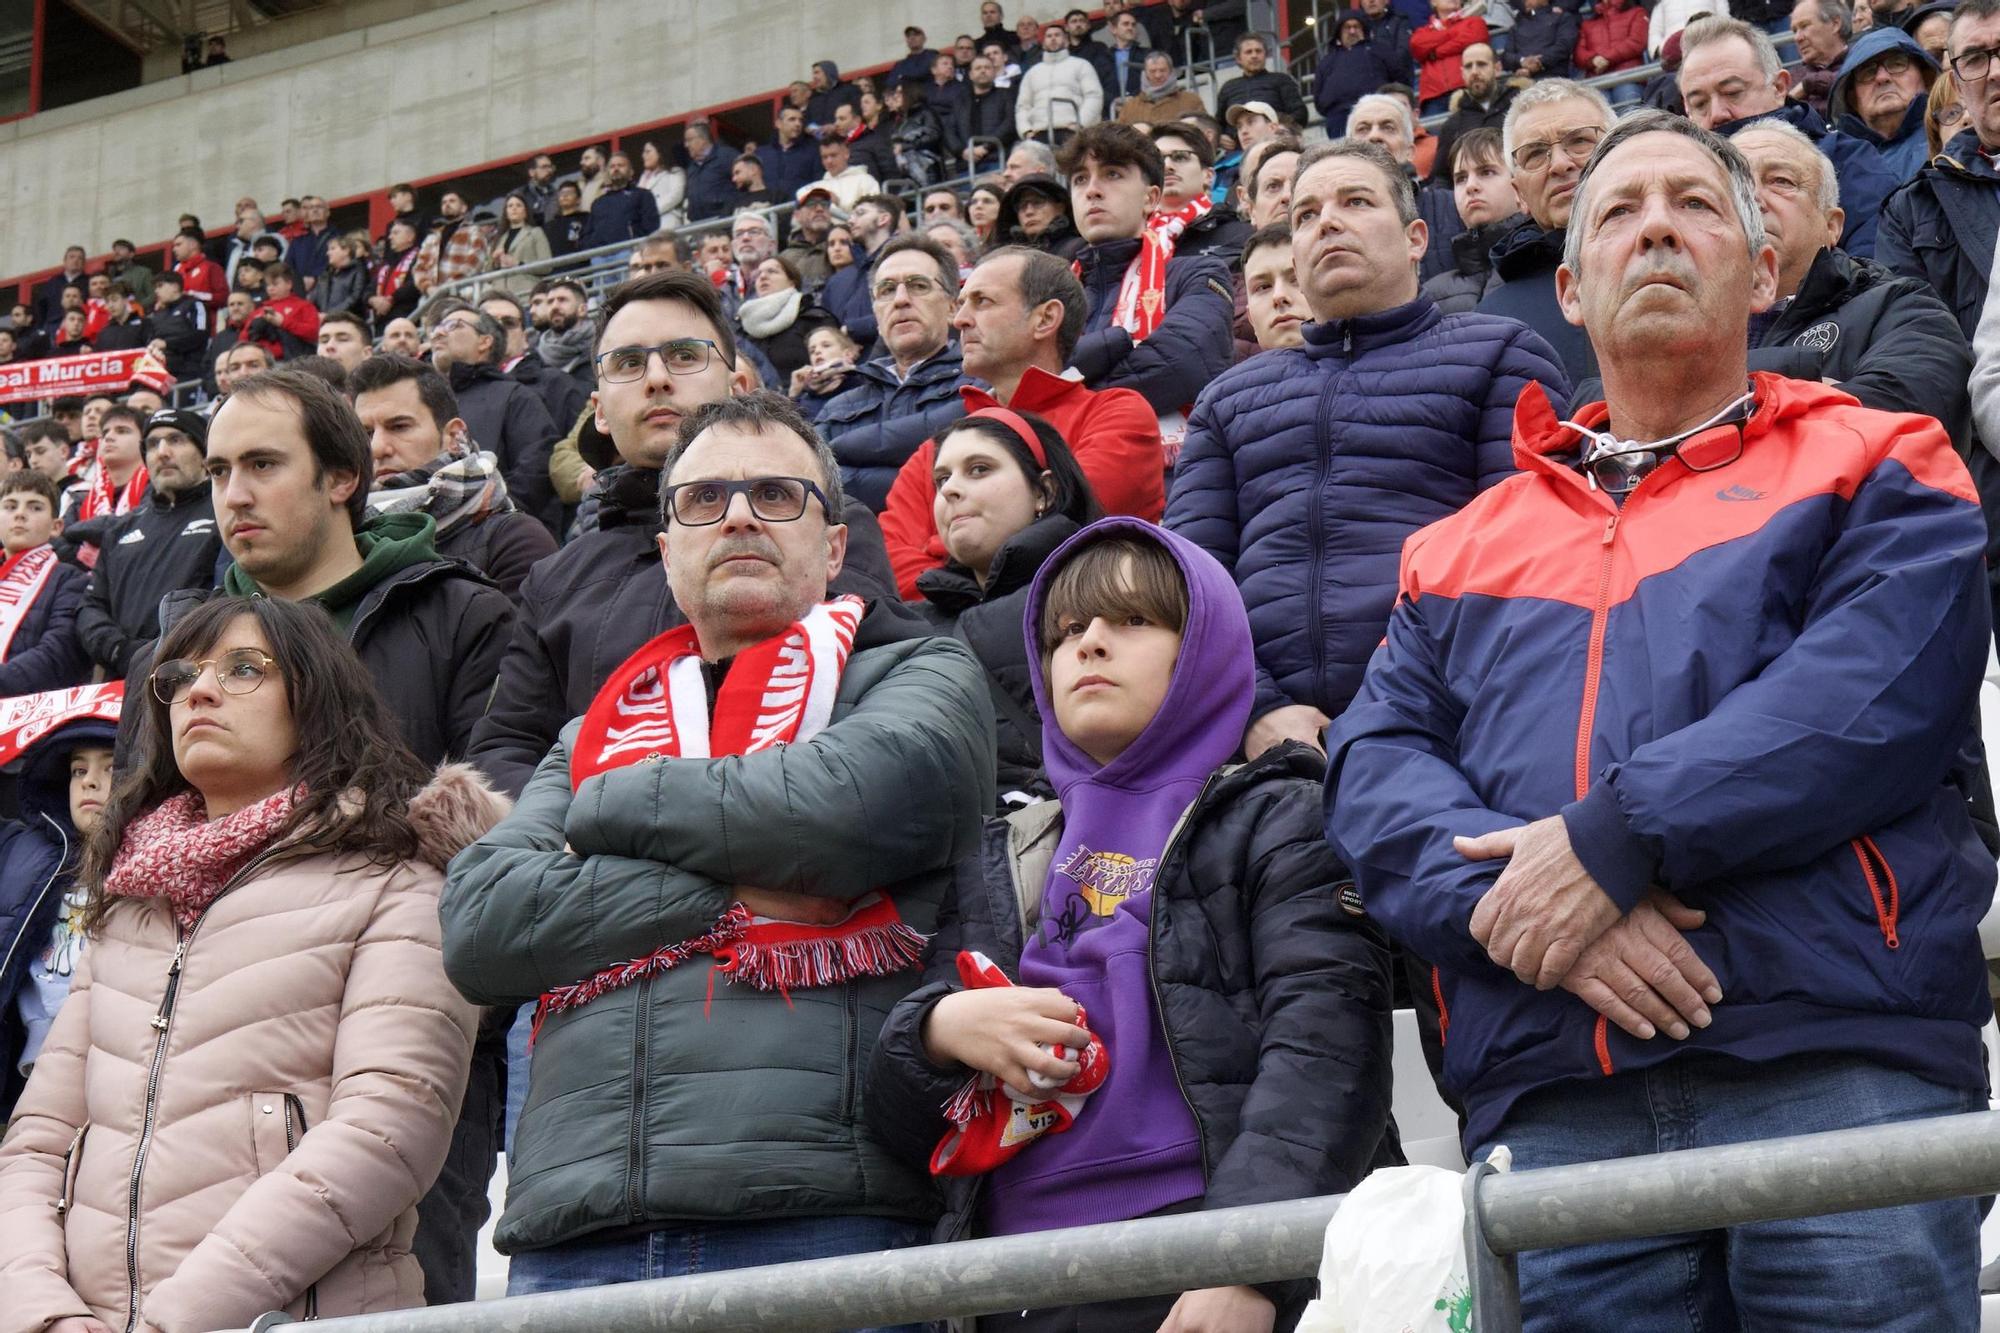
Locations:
(1600, 63)
(1545, 909)
(806, 908)
(1531, 65)
(1293, 722)
(1002, 1032)
(1221, 1310)
(1643, 975)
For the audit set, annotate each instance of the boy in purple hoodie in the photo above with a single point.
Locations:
(1189, 912)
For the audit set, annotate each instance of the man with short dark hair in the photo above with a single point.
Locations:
(285, 323)
(1542, 42)
(1187, 207)
(166, 544)
(201, 280)
(917, 57)
(599, 598)
(343, 338)
(1259, 82)
(812, 219)
(39, 593)
(427, 462)
(892, 405)
(571, 223)
(709, 192)
(125, 329)
(845, 183)
(872, 221)
(306, 251)
(289, 465)
(1170, 336)
(594, 922)
(791, 158)
(505, 416)
(1018, 318)
(1307, 467)
(1646, 891)
(746, 178)
(564, 395)
(1059, 93)
(982, 128)
(1274, 302)
(1483, 191)
(623, 211)
(48, 293)
(458, 248)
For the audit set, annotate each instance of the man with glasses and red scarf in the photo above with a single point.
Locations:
(699, 888)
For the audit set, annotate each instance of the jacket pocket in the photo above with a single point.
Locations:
(1884, 893)
(72, 1163)
(272, 1129)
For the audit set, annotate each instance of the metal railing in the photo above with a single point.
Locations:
(1663, 1194)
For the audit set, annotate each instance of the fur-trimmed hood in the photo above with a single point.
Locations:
(457, 809)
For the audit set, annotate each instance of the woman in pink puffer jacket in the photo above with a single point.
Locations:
(255, 1076)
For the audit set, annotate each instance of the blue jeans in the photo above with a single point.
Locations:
(1892, 1270)
(712, 1247)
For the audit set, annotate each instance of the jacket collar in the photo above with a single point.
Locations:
(1038, 391)
(1855, 127)
(1106, 262)
(1365, 333)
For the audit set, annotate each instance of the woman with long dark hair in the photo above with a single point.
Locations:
(257, 1070)
(520, 241)
(1009, 492)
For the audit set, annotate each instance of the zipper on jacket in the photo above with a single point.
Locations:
(7, 960)
(850, 1005)
(1153, 977)
(1593, 663)
(1882, 887)
(635, 1146)
(69, 1171)
(1444, 1014)
(1316, 519)
(1601, 1039)
(162, 1023)
(295, 1129)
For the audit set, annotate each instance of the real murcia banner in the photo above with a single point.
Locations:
(26, 718)
(75, 376)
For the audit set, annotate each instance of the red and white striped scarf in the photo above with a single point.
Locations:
(1142, 295)
(100, 496)
(1171, 222)
(22, 579)
(778, 692)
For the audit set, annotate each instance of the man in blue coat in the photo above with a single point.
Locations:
(1880, 95)
(1307, 467)
(1663, 765)
(623, 211)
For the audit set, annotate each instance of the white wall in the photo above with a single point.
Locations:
(415, 98)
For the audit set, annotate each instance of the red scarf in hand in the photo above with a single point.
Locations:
(778, 692)
(1142, 295)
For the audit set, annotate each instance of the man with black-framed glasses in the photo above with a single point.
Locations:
(898, 401)
(1550, 132)
(699, 885)
(664, 349)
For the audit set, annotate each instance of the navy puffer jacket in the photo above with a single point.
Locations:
(874, 426)
(1306, 467)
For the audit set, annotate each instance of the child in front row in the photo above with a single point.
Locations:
(1198, 1015)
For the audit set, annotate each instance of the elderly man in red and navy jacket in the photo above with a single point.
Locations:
(1664, 765)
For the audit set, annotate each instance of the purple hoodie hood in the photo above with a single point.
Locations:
(1201, 721)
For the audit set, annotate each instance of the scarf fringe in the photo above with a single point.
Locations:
(784, 966)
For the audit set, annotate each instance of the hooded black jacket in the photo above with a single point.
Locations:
(562, 394)
(593, 604)
(1523, 287)
(1249, 865)
(167, 544)
(507, 417)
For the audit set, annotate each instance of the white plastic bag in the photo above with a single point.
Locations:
(1395, 1256)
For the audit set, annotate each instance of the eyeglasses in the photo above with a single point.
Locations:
(1895, 63)
(507, 321)
(453, 325)
(682, 356)
(919, 287)
(698, 504)
(1973, 65)
(1576, 146)
(1181, 155)
(1952, 114)
(238, 671)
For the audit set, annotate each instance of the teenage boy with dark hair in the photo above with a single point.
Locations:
(39, 593)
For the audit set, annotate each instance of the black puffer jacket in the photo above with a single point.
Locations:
(1274, 996)
(988, 621)
(1190, 347)
(592, 604)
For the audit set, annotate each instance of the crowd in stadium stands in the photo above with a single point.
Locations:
(957, 697)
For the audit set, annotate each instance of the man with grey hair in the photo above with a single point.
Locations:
(1385, 121)
(1669, 879)
(1030, 157)
(1731, 77)
(1888, 340)
(1821, 30)
(1306, 468)
(1550, 132)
